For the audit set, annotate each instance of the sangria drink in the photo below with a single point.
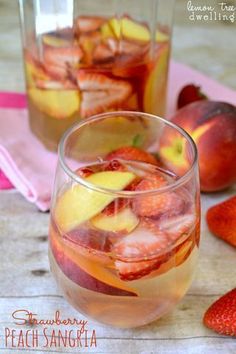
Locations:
(93, 64)
(124, 231)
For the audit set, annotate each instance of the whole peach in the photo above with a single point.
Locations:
(212, 125)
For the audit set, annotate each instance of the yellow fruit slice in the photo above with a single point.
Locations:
(155, 87)
(78, 204)
(125, 220)
(34, 71)
(130, 29)
(52, 40)
(161, 36)
(58, 104)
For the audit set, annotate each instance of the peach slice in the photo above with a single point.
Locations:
(78, 204)
(85, 272)
(161, 36)
(155, 87)
(34, 70)
(125, 220)
(55, 103)
(127, 28)
(54, 41)
(130, 29)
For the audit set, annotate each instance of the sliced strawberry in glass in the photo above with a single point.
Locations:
(136, 252)
(176, 226)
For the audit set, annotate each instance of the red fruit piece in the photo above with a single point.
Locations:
(176, 226)
(132, 153)
(221, 220)
(114, 165)
(188, 94)
(100, 93)
(102, 54)
(62, 56)
(88, 23)
(84, 172)
(221, 315)
(156, 204)
(116, 206)
(133, 250)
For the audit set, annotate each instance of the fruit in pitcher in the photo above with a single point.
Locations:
(221, 220)
(155, 84)
(34, 70)
(212, 125)
(85, 203)
(88, 23)
(59, 104)
(221, 315)
(100, 93)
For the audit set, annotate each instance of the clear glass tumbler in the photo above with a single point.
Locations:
(125, 216)
(87, 57)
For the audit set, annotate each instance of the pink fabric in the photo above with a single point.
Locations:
(30, 167)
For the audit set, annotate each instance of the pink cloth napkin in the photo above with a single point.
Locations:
(30, 167)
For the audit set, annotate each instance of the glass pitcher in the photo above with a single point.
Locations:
(88, 57)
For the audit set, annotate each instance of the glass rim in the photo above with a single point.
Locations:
(82, 181)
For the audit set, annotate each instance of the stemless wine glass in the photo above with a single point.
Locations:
(125, 216)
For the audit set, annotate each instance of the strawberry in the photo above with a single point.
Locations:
(114, 165)
(221, 220)
(84, 172)
(88, 23)
(221, 315)
(55, 85)
(190, 93)
(133, 250)
(100, 93)
(62, 56)
(156, 204)
(132, 153)
(175, 226)
(102, 54)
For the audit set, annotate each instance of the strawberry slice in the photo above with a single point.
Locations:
(221, 315)
(175, 227)
(102, 54)
(100, 93)
(156, 204)
(88, 23)
(132, 153)
(133, 250)
(84, 172)
(221, 220)
(62, 56)
(55, 85)
(190, 93)
(114, 165)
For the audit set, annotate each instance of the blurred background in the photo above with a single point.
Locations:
(207, 45)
